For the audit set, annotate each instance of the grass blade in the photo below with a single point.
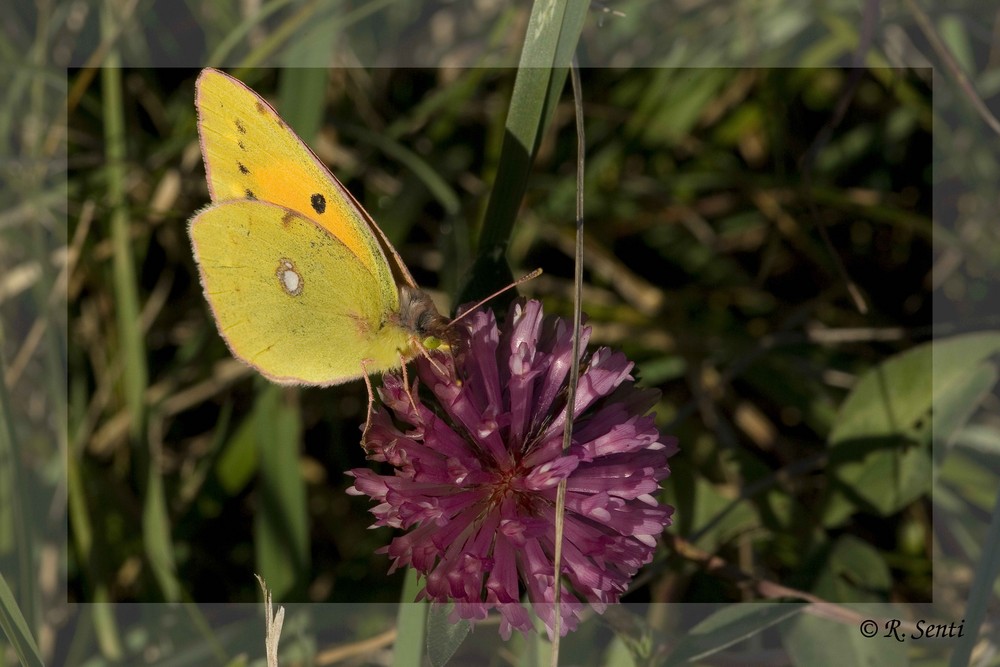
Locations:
(411, 623)
(16, 628)
(552, 34)
(126, 292)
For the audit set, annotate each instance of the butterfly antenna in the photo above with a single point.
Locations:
(523, 279)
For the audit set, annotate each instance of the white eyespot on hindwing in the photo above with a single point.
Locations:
(289, 278)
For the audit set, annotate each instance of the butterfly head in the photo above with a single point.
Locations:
(419, 316)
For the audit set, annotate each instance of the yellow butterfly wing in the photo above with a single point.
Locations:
(291, 299)
(251, 153)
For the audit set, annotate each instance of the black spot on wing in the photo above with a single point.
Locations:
(240, 127)
(243, 168)
(318, 202)
(250, 194)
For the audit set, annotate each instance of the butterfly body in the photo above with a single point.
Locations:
(302, 283)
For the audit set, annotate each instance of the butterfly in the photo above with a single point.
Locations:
(303, 285)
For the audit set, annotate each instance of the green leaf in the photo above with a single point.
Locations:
(973, 478)
(955, 357)
(281, 526)
(443, 192)
(240, 660)
(712, 518)
(978, 438)
(238, 461)
(953, 33)
(888, 401)
(876, 454)
(812, 641)
(16, 628)
(16, 535)
(959, 401)
(880, 446)
(850, 570)
(987, 571)
(302, 92)
(444, 636)
(728, 626)
(156, 535)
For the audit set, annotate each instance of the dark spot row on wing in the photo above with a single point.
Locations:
(240, 127)
(243, 168)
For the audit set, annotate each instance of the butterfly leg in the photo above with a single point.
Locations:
(371, 401)
(427, 355)
(406, 383)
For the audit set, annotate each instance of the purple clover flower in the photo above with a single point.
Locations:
(475, 477)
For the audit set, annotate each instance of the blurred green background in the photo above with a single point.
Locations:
(727, 211)
(703, 262)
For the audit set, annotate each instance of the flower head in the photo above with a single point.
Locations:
(475, 478)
